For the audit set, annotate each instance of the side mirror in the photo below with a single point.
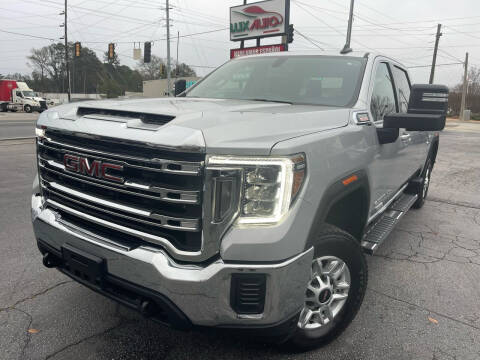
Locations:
(427, 110)
(180, 86)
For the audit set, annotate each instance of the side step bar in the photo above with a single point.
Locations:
(379, 230)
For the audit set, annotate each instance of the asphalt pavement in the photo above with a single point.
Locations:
(17, 125)
(422, 300)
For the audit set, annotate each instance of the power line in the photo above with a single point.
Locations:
(309, 40)
(27, 35)
(427, 66)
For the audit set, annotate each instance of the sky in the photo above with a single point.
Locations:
(404, 30)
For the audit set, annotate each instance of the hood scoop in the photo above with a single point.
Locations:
(133, 119)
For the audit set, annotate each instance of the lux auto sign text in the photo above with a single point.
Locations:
(262, 19)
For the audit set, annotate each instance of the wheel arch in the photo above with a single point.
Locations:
(344, 205)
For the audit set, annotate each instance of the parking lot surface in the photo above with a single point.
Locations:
(422, 300)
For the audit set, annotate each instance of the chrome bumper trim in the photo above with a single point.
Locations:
(202, 292)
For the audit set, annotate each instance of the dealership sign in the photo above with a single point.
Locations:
(256, 20)
(234, 53)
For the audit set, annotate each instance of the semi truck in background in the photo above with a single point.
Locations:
(17, 96)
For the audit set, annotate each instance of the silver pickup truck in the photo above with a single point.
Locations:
(249, 200)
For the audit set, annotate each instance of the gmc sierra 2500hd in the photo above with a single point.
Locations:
(248, 201)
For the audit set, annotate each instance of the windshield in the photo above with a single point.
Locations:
(316, 80)
(28, 93)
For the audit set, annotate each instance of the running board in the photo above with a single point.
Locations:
(383, 226)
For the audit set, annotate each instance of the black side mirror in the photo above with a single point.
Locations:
(180, 86)
(427, 110)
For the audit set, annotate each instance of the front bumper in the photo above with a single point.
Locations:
(200, 292)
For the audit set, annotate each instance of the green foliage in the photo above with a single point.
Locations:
(183, 70)
(153, 70)
(156, 69)
(87, 73)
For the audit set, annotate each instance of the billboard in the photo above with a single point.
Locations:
(260, 19)
(234, 53)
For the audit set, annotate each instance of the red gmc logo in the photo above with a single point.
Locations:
(95, 168)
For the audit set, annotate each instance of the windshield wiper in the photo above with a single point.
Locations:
(269, 100)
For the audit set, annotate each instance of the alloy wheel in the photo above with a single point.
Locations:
(326, 293)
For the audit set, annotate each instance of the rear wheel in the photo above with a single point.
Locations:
(334, 292)
(423, 190)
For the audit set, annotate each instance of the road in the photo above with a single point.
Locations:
(17, 125)
(422, 299)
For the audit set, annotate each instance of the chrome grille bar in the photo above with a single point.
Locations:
(186, 197)
(180, 167)
(144, 236)
(162, 220)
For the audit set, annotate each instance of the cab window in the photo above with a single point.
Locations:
(19, 94)
(403, 88)
(383, 97)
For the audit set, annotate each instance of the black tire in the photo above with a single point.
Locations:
(423, 190)
(27, 108)
(332, 241)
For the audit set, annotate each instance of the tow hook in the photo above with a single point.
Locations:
(49, 260)
(148, 308)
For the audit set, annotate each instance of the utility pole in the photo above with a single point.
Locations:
(465, 88)
(435, 51)
(168, 49)
(178, 41)
(347, 48)
(69, 89)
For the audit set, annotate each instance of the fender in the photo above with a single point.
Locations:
(337, 191)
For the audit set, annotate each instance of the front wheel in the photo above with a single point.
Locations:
(334, 292)
(27, 108)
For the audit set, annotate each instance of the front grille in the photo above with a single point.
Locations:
(151, 196)
(43, 104)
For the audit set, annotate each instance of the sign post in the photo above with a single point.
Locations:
(259, 20)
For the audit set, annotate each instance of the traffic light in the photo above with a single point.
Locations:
(111, 51)
(78, 49)
(290, 33)
(147, 52)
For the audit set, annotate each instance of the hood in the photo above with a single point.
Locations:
(226, 126)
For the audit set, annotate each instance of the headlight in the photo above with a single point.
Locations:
(40, 132)
(269, 185)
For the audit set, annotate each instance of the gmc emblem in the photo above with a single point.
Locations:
(95, 168)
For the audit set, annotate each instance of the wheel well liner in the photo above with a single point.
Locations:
(344, 206)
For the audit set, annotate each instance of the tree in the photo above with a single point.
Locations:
(87, 73)
(473, 93)
(183, 70)
(114, 61)
(153, 70)
(50, 60)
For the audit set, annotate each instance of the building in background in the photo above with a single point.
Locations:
(158, 88)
